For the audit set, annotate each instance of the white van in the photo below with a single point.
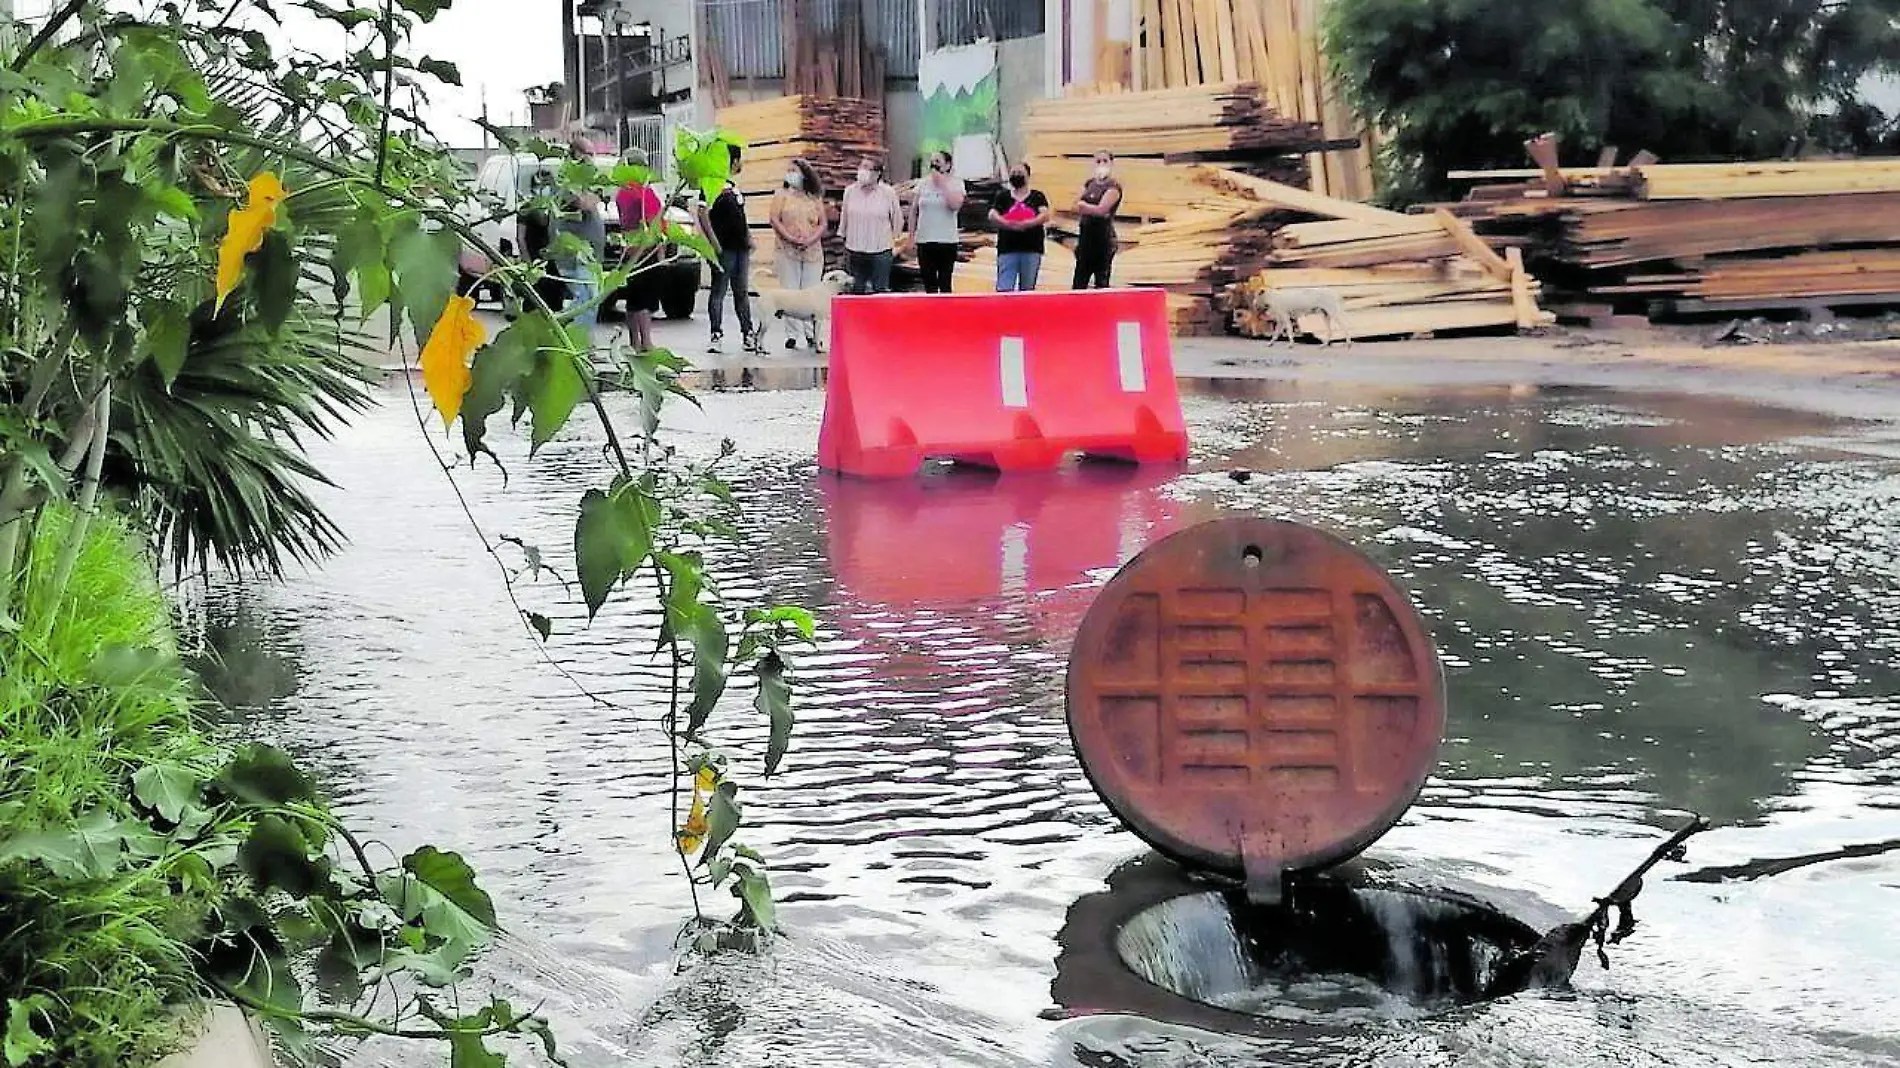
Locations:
(508, 180)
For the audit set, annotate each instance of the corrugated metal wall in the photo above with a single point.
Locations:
(959, 22)
(748, 34)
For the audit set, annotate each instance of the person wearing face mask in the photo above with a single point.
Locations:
(870, 221)
(799, 223)
(724, 222)
(1021, 216)
(1095, 245)
(933, 223)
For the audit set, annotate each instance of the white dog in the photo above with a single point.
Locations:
(812, 305)
(1285, 306)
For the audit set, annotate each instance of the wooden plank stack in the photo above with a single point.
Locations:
(1177, 44)
(1687, 239)
(1217, 119)
(832, 133)
(1395, 275)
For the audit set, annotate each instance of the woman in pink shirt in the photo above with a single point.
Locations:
(639, 205)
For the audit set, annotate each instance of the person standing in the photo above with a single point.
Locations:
(535, 237)
(870, 221)
(1021, 217)
(581, 218)
(933, 223)
(725, 225)
(640, 211)
(799, 223)
(1095, 244)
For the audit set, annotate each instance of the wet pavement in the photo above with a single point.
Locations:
(1646, 605)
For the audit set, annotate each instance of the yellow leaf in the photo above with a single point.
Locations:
(694, 833)
(245, 231)
(452, 341)
(706, 780)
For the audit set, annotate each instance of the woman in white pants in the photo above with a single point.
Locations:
(799, 222)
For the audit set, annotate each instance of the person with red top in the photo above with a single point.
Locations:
(640, 207)
(1021, 216)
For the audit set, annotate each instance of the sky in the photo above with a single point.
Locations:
(501, 46)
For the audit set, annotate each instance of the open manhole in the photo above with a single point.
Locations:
(1339, 950)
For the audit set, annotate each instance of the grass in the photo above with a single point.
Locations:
(92, 692)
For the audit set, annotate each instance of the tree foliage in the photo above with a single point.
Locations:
(1463, 83)
(194, 231)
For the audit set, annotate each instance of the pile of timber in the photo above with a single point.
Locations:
(844, 59)
(1225, 120)
(1395, 275)
(1673, 240)
(1275, 44)
(832, 133)
(1179, 226)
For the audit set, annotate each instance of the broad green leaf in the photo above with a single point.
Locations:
(439, 889)
(362, 251)
(426, 10)
(611, 540)
(274, 280)
(424, 264)
(775, 700)
(688, 238)
(718, 870)
(542, 625)
(435, 968)
(23, 1040)
(702, 628)
(722, 818)
(626, 174)
(498, 371)
(89, 848)
(167, 338)
(445, 72)
(755, 890)
(797, 618)
(173, 201)
(261, 775)
(705, 161)
(167, 789)
(555, 387)
(276, 856)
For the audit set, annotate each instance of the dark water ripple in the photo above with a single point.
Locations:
(1646, 606)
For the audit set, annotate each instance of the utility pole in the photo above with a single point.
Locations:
(571, 61)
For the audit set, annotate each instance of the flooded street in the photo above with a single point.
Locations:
(1646, 605)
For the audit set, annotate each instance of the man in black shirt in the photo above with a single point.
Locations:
(724, 224)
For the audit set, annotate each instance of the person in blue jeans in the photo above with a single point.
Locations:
(724, 221)
(582, 219)
(1021, 217)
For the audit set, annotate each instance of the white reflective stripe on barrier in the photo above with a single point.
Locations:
(1128, 354)
(1015, 374)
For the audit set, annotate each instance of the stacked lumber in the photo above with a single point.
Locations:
(1214, 119)
(1176, 44)
(831, 133)
(1395, 275)
(1179, 226)
(1682, 239)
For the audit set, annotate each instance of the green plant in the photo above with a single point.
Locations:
(197, 225)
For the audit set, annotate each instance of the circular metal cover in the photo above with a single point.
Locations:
(1255, 696)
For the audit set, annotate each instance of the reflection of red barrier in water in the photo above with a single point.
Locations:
(984, 548)
(1011, 381)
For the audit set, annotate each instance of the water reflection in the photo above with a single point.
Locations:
(1644, 606)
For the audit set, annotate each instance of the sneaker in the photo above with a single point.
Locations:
(712, 344)
(755, 342)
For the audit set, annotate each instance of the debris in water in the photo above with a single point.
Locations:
(1553, 960)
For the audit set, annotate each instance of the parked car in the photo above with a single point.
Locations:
(508, 180)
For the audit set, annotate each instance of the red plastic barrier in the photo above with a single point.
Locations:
(1013, 381)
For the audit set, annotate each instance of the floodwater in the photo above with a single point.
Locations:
(1647, 606)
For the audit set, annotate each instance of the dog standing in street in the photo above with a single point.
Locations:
(1285, 306)
(813, 304)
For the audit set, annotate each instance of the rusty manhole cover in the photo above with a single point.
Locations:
(1256, 697)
